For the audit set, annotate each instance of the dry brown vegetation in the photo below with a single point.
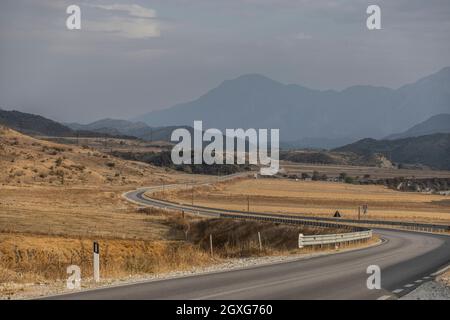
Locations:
(107, 145)
(25, 160)
(27, 258)
(361, 171)
(55, 199)
(319, 198)
(237, 238)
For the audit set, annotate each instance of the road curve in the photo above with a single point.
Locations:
(406, 259)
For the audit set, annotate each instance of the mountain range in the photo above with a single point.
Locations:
(436, 124)
(308, 117)
(33, 124)
(124, 127)
(429, 150)
(432, 150)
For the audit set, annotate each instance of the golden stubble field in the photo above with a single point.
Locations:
(319, 198)
(360, 171)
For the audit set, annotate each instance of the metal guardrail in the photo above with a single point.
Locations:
(406, 225)
(332, 238)
(354, 234)
(293, 220)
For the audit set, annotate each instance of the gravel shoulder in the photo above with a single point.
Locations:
(437, 289)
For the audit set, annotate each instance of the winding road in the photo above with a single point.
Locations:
(406, 260)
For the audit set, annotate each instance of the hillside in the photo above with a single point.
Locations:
(430, 150)
(334, 158)
(33, 124)
(129, 128)
(303, 114)
(436, 124)
(26, 160)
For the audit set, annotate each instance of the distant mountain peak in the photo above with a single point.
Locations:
(256, 101)
(251, 79)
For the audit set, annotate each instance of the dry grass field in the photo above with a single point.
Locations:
(355, 171)
(56, 199)
(319, 198)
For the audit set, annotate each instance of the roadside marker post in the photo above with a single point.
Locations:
(96, 262)
(259, 239)
(300, 240)
(211, 244)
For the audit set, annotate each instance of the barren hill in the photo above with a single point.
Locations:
(26, 160)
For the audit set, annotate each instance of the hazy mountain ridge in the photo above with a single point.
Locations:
(32, 124)
(436, 124)
(124, 127)
(430, 150)
(255, 101)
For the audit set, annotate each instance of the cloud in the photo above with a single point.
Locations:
(126, 20)
(133, 10)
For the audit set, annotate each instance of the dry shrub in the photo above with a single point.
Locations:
(239, 238)
(47, 258)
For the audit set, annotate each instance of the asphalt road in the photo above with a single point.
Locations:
(406, 259)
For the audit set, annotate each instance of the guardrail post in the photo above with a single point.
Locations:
(300, 240)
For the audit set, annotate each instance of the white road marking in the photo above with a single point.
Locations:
(427, 277)
(440, 271)
(409, 285)
(397, 290)
(418, 281)
(383, 297)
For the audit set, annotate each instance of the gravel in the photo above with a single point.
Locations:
(431, 290)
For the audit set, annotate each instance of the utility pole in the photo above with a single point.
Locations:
(359, 212)
(248, 203)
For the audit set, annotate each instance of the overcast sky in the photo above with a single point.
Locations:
(131, 57)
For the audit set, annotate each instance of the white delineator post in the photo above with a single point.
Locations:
(96, 262)
(300, 240)
(259, 239)
(211, 244)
